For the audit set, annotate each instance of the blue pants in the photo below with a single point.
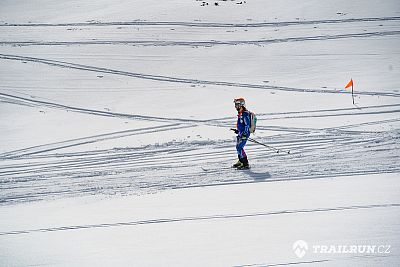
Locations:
(240, 147)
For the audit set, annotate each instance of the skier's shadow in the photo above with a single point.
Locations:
(258, 176)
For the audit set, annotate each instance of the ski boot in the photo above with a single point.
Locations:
(245, 164)
(237, 164)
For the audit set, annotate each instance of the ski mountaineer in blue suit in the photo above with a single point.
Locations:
(243, 133)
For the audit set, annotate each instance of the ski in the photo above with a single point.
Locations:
(206, 169)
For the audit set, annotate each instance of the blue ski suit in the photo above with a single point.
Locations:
(243, 127)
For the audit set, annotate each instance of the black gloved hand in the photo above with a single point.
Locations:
(235, 130)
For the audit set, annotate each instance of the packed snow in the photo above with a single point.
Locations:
(116, 147)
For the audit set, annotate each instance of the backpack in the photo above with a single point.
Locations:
(253, 122)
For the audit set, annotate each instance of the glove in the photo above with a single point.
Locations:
(235, 131)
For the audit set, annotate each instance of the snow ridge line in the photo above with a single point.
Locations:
(201, 24)
(204, 43)
(199, 218)
(64, 64)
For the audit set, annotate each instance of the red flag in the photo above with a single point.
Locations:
(349, 84)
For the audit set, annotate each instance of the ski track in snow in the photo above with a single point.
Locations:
(35, 176)
(223, 122)
(224, 30)
(204, 43)
(46, 171)
(63, 64)
(201, 24)
(199, 218)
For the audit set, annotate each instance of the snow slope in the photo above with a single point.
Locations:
(117, 113)
(235, 225)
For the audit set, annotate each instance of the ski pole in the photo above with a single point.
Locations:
(270, 147)
(267, 146)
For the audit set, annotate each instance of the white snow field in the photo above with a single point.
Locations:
(115, 148)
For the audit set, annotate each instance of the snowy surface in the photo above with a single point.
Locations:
(115, 146)
(235, 225)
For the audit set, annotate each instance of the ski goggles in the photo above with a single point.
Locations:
(239, 102)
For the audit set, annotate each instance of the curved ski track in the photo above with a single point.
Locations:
(41, 175)
(45, 171)
(32, 101)
(62, 64)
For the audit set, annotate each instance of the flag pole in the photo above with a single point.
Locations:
(352, 88)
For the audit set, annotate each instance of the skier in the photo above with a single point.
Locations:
(243, 133)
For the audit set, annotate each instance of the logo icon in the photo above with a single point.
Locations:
(300, 247)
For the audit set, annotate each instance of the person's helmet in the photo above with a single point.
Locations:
(239, 102)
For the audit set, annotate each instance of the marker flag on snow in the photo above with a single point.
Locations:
(352, 88)
(349, 84)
